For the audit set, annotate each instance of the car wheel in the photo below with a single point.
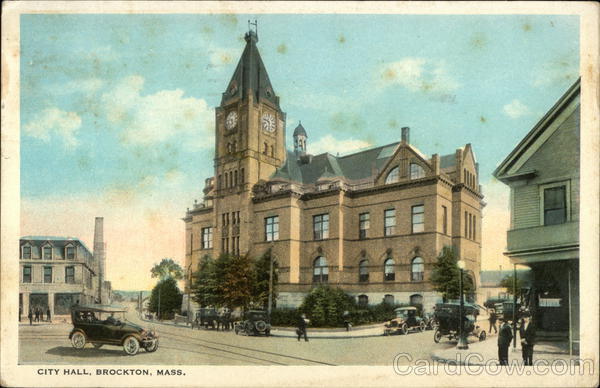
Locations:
(482, 336)
(152, 347)
(404, 329)
(437, 336)
(97, 346)
(78, 340)
(422, 326)
(261, 326)
(131, 345)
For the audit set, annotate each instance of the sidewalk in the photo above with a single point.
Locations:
(337, 333)
(480, 353)
(375, 330)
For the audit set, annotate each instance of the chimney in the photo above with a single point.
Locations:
(99, 253)
(406, 135)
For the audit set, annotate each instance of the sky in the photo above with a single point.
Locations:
(117, 111)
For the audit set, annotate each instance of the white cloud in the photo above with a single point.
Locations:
(418, 75)
(516, 109)
(333, 145)
(154, 118)
(87, 86)
(53, 121)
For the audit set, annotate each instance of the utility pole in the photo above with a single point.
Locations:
(514, 307)
(270, 302)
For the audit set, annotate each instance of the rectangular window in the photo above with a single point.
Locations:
(26, 253)
(389, 222)
(70, 275)
(321, 226)
(27, 274)
(474, 229)
(47, 274)
(207, 238)
(444, 220)
(363, 225)
(418, 218)
(272, 228)
(466, 225)
(47, 251)
(555, 205)
(470, 226)
(70, 253)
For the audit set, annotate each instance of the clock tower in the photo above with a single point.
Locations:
(249, 144)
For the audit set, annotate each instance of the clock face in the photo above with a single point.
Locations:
(268, 122)
(231, 120)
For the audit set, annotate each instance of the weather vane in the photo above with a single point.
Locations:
(255, 24)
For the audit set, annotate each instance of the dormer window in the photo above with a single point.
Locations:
(393, 176)
(47, 252)
(416, 171)
(70, 252)
(26, 252)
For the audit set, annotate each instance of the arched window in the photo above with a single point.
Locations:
(265, 148)
(389, 273)
(363, 271)
(416, 171)
(242, 176)
(235, 178)
(320, 270)
(363, 300)
(388, 299)
(416, 299)
(393, 176)
(417, 268)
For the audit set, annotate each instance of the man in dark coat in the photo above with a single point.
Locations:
(301, 330)
(504, 338)
(493, 318)
(48, 318)
(37, 314)
(30, 316)
(527, 334)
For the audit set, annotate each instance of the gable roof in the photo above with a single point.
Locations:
(538, 134)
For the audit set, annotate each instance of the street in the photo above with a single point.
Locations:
(179, 345)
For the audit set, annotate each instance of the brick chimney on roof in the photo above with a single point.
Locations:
(406, 135)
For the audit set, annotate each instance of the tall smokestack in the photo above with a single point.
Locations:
(99, 253)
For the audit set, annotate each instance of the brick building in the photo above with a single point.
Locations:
(372, 222)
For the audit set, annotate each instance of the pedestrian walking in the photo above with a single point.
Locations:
(504, 338)
(493, 318)
(30, 316)
(527, 334)
(347, 323)
(37, 314)
(48, 318)
(301, 330)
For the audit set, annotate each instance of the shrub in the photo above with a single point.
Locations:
(325, 306)
(284, 316)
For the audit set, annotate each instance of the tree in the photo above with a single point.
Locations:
(260, 291)
(167, 268)
(204, 285)
(170, 297)
(508, 282)
(227, 281)
(445, 275)
(325, 306)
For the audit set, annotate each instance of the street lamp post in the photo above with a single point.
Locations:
(462, 339)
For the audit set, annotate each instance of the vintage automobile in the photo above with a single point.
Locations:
(430, 321)
(106, 325)
(206, 317)
(448, 318)
(254, 322)
(407, 319)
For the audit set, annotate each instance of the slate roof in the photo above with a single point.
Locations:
(250, 74)
(300, 131)
(58, 242)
